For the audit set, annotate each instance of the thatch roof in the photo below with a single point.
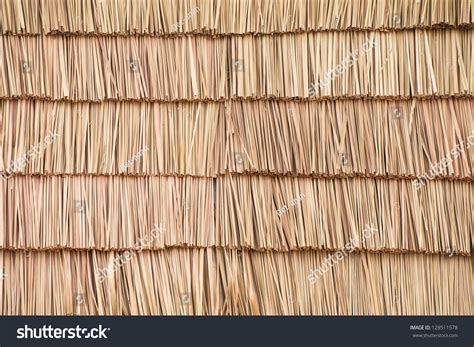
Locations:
(227, 157)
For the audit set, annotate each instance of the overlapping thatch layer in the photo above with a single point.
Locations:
(225, 282)
(158, 17)
(114, 138)
(254, 212)
(331, 212)
(368, 138)
(378, 64)
(320, 138)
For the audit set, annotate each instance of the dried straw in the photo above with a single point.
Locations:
(337, 138)
(224, 90)
(401, 64)
(224, 282)
(235, 212)
(159, 17)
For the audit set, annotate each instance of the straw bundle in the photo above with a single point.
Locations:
(376, 138)
(159, 17)
(331, 212)
(225, 282)
(227, 157)
(99, 138)
(337, 138)
(235, 212)
(394, 64)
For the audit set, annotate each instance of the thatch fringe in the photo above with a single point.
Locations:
(235, 212)
(329, 138)
(399, 64)
(158, 17)
(270, 212)
(380, 138)
(114, 138)
(223, 282)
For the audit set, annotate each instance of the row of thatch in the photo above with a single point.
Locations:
(320, 138)
(305, 65)
(255, 212)
(227, 282)
(165, 17)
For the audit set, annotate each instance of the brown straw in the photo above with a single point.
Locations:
(164, 17)
(394, 64)
(197, 157)
(224, 282)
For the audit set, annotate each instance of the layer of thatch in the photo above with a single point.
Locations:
(254, 212)
(435, 218)
(99, 138)
(329, 138)
(399, 64)
(158, 17)
(367, 138)
(228, 282)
